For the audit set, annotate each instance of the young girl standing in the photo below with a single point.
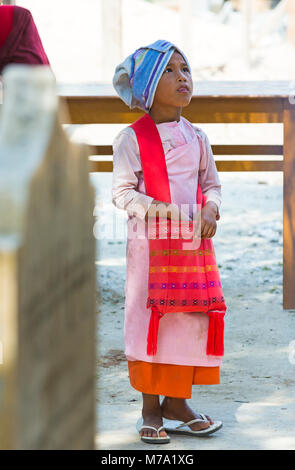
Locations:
(157, 79)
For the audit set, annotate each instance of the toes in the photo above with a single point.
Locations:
(209, 419)
(151, 433)
(147, 433)
(203, 426)
(199, 426)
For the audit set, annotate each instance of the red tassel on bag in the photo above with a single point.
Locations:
(152, 338)
(215, 341)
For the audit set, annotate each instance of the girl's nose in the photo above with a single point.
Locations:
(181, 76)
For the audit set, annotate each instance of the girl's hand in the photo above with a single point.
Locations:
(209, 215)
(173, 211)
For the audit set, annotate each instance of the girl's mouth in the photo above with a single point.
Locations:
(183, 90)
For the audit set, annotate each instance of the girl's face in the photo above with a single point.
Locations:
(175, 87)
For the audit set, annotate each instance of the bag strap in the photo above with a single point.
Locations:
(152, 159)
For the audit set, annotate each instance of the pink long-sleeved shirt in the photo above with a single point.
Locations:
(182, 337)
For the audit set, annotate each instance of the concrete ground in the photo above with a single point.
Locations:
(255, 399)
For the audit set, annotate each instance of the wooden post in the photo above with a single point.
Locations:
(291, 21)
(246, 12)
(111, 37)
(186, 16)
(8, 323)
(202, 5)
(289, 208)
(47, 287)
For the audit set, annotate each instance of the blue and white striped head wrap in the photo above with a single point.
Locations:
(136, 79)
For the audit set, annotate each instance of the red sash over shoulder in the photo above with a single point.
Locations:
(183, 274)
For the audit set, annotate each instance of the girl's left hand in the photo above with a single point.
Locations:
(209, 214)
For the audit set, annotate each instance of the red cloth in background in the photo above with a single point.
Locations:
(6, 22)
(23, 44)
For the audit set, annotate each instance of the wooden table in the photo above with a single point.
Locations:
(214, 102)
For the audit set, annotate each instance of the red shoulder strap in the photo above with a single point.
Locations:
(152, 159)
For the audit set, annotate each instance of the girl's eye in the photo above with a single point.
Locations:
(169, 69)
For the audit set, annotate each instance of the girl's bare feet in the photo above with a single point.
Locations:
(152, 415)
(177, 408)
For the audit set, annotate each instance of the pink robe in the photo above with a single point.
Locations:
(182, 337)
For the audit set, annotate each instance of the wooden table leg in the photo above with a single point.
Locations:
(289, 208)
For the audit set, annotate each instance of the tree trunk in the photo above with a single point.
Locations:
(186, 15)
(291, 21)
(111, 37)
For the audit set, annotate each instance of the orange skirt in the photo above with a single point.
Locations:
(170, 380)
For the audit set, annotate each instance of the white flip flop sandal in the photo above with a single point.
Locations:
(179, 427)
(152, 440)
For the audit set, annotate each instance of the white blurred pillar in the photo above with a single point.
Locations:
(111, 30)
(291, 21)
(247, 13)
(201, 5)
(186, 26)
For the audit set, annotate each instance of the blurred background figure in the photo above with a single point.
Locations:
(226, 39)
(20, 42)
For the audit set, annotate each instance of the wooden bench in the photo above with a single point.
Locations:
(215, 102)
